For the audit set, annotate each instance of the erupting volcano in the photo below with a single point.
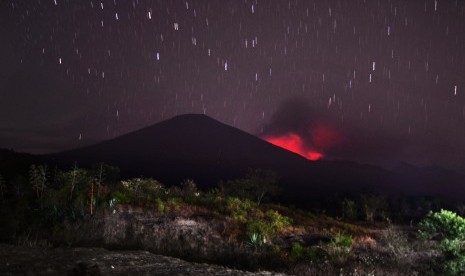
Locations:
(296, 127)
(294, 143)
(312, 143)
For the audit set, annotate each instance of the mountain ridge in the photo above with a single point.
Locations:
(195, 146)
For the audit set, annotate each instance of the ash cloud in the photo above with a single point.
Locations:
(293, 115)
(308, 132)
(333, 139)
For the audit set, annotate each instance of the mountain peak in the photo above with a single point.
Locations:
(192, 116)
(195, 146)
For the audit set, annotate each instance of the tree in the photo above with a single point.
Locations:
(104, 175)
(38, 178)
(256, 185)
(372, 204)
(349, 209)
(73, 182)
(2, 188)
(189, 188)
(74, 192)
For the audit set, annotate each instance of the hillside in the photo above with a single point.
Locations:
(203, 149)
(200, 148)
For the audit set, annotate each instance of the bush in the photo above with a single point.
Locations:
(3, 188)
(260, 227)
(450, 229)
(338, 250)
(373, 205)
(159, 205)
(297, 251)
(267, 224)
(189, 188)
(144, 189)
(256, 186)
(120, 198)
(239, 209)
(277, 221)
(397, 243)
(445, 224)
(349, 209)
(341, 240)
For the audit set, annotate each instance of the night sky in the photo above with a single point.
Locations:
(371, 81)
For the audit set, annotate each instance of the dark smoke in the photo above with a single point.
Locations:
(298, 128)
(294, 115)
(331, 138)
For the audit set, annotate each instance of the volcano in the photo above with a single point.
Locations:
(187, 146)
(200, 148)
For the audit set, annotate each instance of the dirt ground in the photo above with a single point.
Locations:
(20, 260)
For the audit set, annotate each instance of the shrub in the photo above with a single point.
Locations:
(257, 185)
(341, 240)
(397, 243)
(239, 209)
(120, 198)
(144, 189)
(213, 200)
(159, 205)
(173, 204)
(38, 176)
(260, 227)
(450, 229)
(445, 224)
(349, 209)
(277, 221)
(372, 205)
(268, 224)
(338, 249)
(2, 188)
(189, 188)
(454, 263)
(297, 251)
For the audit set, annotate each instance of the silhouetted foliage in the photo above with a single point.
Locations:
(38, 177)
(257, 185)
(349, 209)
(373, 206)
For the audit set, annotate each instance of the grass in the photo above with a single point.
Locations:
(216, 227)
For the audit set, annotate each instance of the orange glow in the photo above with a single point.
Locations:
(294, 143)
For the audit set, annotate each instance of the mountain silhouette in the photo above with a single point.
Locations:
(200, 148)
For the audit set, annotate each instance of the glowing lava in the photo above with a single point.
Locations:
(294, 143)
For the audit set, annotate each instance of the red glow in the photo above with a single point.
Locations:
(325, 137)
(294, 143)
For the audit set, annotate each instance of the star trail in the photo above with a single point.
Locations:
(388, 76)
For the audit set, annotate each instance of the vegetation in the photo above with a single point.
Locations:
(349, 209)
(397, 243)
(2, 188)
(256, 186)
(373, 206)
(449, 229)
(246, 226)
